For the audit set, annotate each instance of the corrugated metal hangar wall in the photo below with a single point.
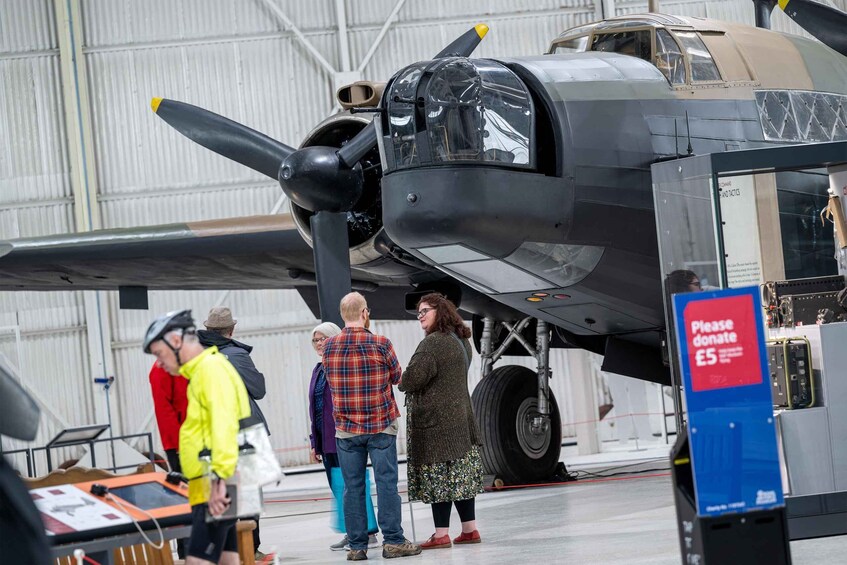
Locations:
(82, 150)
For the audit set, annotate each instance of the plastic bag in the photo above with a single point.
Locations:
(337, 486)
(257, 464)
(244, 501)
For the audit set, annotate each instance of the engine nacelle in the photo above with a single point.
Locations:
(369, 245)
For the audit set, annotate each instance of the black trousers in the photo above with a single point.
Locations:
(172, 456)
(256, 540)
(329, 460)
(441, 511)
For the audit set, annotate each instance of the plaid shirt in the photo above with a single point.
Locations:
(360, 369)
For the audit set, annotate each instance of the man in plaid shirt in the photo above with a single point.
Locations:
(361, 368)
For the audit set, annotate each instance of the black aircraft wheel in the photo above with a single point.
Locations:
(505, 403)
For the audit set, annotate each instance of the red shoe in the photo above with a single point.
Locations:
(472, 537)
(436, 543)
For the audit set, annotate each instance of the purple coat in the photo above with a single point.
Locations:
(323, 440)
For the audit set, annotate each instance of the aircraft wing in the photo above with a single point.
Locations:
(238, 253)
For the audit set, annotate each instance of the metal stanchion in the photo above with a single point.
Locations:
(412, 518)
(633, 422)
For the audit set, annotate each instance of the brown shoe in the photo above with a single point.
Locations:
(405, 549)
(357, 555)
(472, 537)
(436, 543)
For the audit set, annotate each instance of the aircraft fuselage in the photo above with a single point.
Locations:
(569, 234)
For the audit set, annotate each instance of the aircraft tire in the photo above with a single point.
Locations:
(504, 403)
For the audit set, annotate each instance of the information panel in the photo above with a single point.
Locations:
(66, 509)
(731, 429)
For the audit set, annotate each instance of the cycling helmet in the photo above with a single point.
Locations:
(176, 320)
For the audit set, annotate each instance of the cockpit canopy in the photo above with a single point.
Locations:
(677, 50)
(458, 110)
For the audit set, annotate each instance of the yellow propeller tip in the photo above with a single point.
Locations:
(783, 4)
(155, 104)
(481, 30)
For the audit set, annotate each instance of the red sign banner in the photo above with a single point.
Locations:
(723, 348)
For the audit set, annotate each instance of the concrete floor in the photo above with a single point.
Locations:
(627, 519)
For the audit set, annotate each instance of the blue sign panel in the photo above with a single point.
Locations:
(728, 396)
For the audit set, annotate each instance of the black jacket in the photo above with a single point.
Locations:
(22, 538)
(239, 355)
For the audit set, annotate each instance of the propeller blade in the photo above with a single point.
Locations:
(827, 24)
(465, 44)
(224, 136)
(19, 414)
(330, 245)
(359, 146)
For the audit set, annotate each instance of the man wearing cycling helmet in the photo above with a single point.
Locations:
(217, 401)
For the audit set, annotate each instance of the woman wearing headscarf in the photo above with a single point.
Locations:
(444, 464)
(320, 416)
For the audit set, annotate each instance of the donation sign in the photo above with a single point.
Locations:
(731, 432)
(723, 345)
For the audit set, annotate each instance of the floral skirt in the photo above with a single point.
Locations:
(459, 479)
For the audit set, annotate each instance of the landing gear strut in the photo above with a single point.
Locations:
(517, 413)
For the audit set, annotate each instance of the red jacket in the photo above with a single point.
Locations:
(171, 401)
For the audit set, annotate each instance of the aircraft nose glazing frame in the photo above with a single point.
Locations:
(458, 110)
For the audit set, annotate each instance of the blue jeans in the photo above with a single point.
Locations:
(353, 456)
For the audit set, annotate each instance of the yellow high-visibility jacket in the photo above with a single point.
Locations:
(217, 400)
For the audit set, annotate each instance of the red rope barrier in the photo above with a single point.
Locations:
(317, 499)
(510, 487)
(563, 424)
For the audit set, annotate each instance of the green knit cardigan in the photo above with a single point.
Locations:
(437, 401)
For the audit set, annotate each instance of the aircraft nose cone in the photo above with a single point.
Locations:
(314, 179)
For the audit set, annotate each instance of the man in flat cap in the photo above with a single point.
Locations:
(218, 332)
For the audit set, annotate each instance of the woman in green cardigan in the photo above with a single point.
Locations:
(444, 465)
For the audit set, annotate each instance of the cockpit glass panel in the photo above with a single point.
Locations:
(669, 58)
(478, 111)
(619, 24)
(454, 112)
(574, 39)
(401, 115)
(633, 43)
(560, 264)
(703, 68)
(586, 29)
(573, 45)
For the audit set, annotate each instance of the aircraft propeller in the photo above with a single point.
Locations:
(827, 24)
(324, 180)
